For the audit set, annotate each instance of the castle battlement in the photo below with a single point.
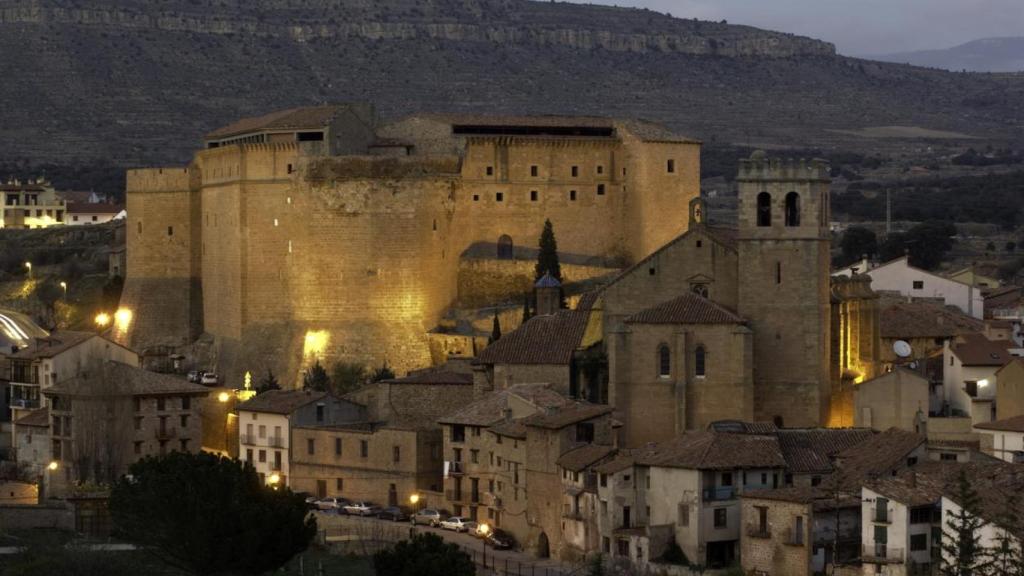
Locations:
(141, 180)
(760, 168)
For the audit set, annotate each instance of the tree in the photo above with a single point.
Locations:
(48, 292)
(962, 551)
(596, 566)
(1008, 554)
(495, 331)
(268, 382)
(526, 308)
(926, 244)
(315, 378)
(348, 377)
(990, 247)
(1011, 246)
(383, 373)
(547, 257)
(423, 555)
(207, 514)
(857, 242)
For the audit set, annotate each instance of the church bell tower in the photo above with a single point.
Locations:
(784, 266)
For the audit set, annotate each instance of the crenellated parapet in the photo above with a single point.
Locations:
(141, 180)
(761, 168)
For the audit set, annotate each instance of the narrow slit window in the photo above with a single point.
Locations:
(778, 272)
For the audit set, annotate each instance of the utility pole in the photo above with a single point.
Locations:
(888, 212)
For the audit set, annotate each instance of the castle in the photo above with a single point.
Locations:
(325, 233)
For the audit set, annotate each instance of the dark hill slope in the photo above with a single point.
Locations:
(141, 81)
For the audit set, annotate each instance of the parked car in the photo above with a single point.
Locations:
(427, 516)
(362, 509)
(334, 503)
(458, 524)
(393, 513)
(209, 379)
(310, 499)
(500, 540)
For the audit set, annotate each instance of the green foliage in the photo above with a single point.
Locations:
(268, 382)
(858, 241)
(424, 555)
(67, 560)
(383, 373)
(596, 566)
(315, 378)
(347, 377)
(526, 308)
(209, 515)
(547, 258)
(1007, 554)
(962, 551)
(926, 243)
(495, 331)
(675, 555)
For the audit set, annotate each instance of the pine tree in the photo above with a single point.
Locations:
(526, 308)
(315, 378)
(383, 373)
(495, 331)
(1008, 553)
(268, 382)
(547, 258)
(962, 551)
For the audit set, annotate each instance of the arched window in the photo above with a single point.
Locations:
(505, 248)
(764, 209)
(792, 209)
(664, 361)
(700, 361)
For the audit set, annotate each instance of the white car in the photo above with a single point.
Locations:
(458, 524)
(331, 503)
(361, 509)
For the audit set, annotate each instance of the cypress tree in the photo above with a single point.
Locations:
(526, 308)
(547, 258)
(962, 551)
(495, 331)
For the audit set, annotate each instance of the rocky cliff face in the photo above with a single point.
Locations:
(140, 81)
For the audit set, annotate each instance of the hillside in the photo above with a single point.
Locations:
(139, 82)
(984, 55)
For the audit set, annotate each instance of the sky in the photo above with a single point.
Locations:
(859, 27)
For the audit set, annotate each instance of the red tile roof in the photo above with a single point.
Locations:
(811, 451)
(52, 345)
(689, 308)
(925, 320)
(584, 456)
(1012, 424)
(490, 409)
(879, 455)
(281, 401)
(558, 417)
(545, 339)
(977, 350)
(38, 418)
(713, 451)
(435, 377)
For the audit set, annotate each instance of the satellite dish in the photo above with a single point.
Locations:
(902, 348)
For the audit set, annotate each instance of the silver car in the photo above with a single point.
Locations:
(427, 516)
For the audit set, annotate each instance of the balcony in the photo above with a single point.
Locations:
(166, 433)
(881, 554)
(24, 403)
(756, 531)
(247, 439)
(275, 442)
(881, 517)
(455, 468)
(719, 494)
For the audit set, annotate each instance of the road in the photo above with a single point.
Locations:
(351, 529)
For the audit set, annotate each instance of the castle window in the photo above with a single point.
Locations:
(476, 197)
(533, 195)
(792, 209)
(490, 170)
(499, 196)
(275, 222)
(505, 247)
(290, 169)
(778, 272)
(764, 209)
(435, 224)
(575, 171)
(170, 230)
(600, 168)
(534, 171)
(664, 362)
(700, 362)
(700, 243)
(670, 166)
(140, 226)
(572, 195)
(600, 189)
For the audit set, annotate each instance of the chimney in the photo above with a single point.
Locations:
(548, 292)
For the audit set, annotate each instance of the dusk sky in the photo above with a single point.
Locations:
(860, 27)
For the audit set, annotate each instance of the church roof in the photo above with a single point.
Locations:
(690, 308)
(308, 117)
(547, 281)
(544, 339)
(713, 451)
(925, 320)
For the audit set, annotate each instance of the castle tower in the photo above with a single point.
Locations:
(784, 286)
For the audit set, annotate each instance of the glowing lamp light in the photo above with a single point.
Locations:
(64, 285)
(274, 479)
(982, 383)
(123, 318)
(315, 343)
(103, 319)
(223, 397)
(53, 465)
(415, 498)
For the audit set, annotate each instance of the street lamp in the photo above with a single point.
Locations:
(29, 266)
(103, 319)
(484, 530)
(223, 397)
(64, 285)
(414, 499)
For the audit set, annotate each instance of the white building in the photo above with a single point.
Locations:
(84, 214)
(264, 427)
(32, 204)
(1007, 437)
(899, 276)
(969, 382)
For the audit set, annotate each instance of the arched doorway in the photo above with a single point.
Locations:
(543, 547)
(505, 247)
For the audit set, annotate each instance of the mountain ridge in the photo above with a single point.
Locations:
(997, 54)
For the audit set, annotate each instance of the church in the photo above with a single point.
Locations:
(718, 324)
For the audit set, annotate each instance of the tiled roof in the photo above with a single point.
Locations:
(434, 377)
(490, 409)
(510, 429)
(821, 498)
(547, 281)
(741, 427)
(977, 350)
(39, 418)
(714, 451)
(310, 117)
(93, 208)
(642, 129)
(811, 451)
(584, 456)
(52, 345)
(925, 320)
(544, 339)
(122, 379)
(881, 454)
(624, 459)
(689, 308)
(1003, 297)
(281, 401)
(1012, 424)
(558, 417)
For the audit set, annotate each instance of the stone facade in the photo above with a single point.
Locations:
(271, 247)
(776, 548)
(898, 399)
(855, 346)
